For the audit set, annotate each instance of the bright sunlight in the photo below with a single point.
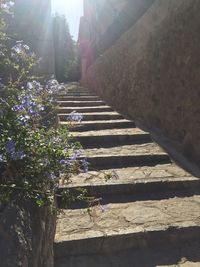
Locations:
(73, 10)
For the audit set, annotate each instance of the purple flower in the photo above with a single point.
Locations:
(29, 86)
(77, 153)
(33, 113)
(18, 108)
(37, 85)
(75, 116)
(53, 176)
(20, 49)
(1, 158)
(7, 5)
(72, 158)
(115, 175)
(67, 162)
(23, 119)
(52, 86)
(104, 208)
(41, 108)
(27, 102)
(84, 165)
(18, 155)
(62, 162)
(61, 87)
(10, 146)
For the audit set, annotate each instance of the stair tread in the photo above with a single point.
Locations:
(82, 108)
(79, 98)
(123, 219)
(96, 113)
(94, 116)
(125, 150)
(126, 131)
(98, 122)
(78, 102)
(151, 201)
(131, 175)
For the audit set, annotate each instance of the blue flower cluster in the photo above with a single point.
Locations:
(7, 5)
(19, 50)
(27, 108)
(11, 150)
(75, 117)
(2, 158)
(84, 165)
(34, 85)
(104, 208)
(114, 175)
(53, 87)
(75, 157)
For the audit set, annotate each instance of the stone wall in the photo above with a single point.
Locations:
(26, 236)
(152, 73)
(104, 22)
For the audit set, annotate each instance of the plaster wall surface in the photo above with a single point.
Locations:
(152, 73)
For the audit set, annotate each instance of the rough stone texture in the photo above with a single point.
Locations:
(148, 216)
(26, 236)
(96, 116)
(128, 131)
(151, 74)
(131, 175)
(144, 224)
(122, 226)
(125, 150)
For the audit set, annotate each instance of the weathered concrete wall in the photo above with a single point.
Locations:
(152, 73)
(26, 236)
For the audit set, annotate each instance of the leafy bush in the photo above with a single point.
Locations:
(34, 151)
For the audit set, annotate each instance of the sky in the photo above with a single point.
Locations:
(73, 10)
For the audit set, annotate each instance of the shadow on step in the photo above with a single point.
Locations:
(184, 255)
(126, 198)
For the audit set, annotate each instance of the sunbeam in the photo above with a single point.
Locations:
(73, 10)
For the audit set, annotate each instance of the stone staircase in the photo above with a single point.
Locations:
(149, 211)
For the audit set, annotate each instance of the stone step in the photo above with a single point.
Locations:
(78, 98)
(181, 255)
(114, 161)
(77, 94)
(147, 204)
(126, 150)
(139, 182)
(148, 154)
(78, 91)
(110, 138)
(99, 125)
(84, 109)
(95, 116)
(123, 226)
(73, 103)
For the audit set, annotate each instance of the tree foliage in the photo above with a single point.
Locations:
(66, 51)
